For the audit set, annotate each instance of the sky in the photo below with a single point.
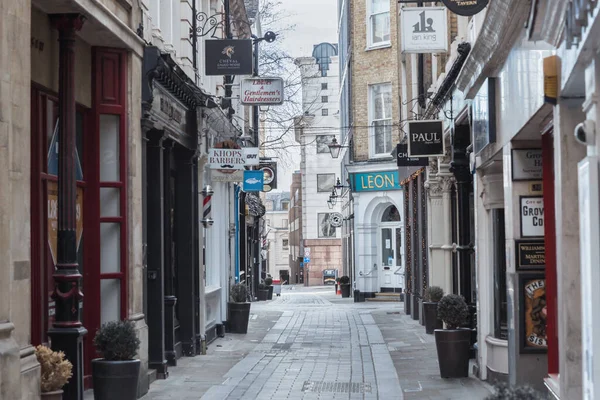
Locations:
(316, 22)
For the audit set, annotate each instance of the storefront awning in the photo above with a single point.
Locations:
(255, 206)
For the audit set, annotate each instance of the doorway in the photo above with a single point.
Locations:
(391, 251)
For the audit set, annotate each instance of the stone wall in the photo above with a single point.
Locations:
(324, 254)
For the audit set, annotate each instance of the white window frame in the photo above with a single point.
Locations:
(372, 144)
(370, 15)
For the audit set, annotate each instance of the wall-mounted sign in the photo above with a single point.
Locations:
(236, 175)
(375, 181)
(526, 164)
(532, 216)
(530, 254)
(228, 57)
(426, 138)
(551, 79)
(269, 170)
(253, 181)
(251, 155)
(465, 7)
(262, 91)
(536, 188)
(532, 295)
(403, 160)
(424, 30)
(484, 116)
(226, 159)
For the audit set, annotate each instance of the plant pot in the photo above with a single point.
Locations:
(238, 315)
(431, 320)
(54, 395)
(453, 352)
(270, 296)
(262, 295)
(115, 380)
(345, 290)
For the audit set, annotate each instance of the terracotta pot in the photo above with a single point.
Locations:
(55, 395)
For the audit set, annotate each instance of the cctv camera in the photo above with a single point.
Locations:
(585, 132)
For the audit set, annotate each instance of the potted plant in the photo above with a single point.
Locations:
(506, 392)
(238, 309)
(433, 295)
(345, 285)
(263, 292)
(56, 372)
(115, 375)
(453, 342)
(269, 285)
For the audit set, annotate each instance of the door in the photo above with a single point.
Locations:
(391, 276)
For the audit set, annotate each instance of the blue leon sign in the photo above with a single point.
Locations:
(253, 181)
(376, 181)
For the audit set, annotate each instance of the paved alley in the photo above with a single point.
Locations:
(311, 344)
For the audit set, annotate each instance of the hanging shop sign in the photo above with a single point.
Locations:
(269, 170)
(375, 181)
(424, 30)
(484, 116)
(532, 307)
(403, 160)
(532, 216)
(262, 91)
(253, 181)
(426, 138)
(530, 254)
(228, 57)
(251, 155)
(465, 7)
(526, 164)
(226, 159)
(551, 80)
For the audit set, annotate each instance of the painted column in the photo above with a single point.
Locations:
(67, 331)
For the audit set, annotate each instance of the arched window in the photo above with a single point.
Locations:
(391, 214)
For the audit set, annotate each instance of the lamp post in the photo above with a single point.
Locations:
(334, 148)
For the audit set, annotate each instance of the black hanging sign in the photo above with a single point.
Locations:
(465, 7)
(228, 57)
(426, 138)
(405, 161)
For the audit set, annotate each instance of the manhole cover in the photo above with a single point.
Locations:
(336, 387)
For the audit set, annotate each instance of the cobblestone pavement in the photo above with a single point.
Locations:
(311, 344)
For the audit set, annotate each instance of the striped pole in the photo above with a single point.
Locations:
(207, 192)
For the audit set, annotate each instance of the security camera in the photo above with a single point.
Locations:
(585, 132)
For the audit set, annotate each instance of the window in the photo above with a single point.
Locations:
(323, 142)
(379, 23)
(324, 225)
(325, 182)
(285, 205)
(285, 243)
(269, 205)
(323, 86)
(380, 116)
(324, 112)
(324, 99)
(500, 311)
(284, 223)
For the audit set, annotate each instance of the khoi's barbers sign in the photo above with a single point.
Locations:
(426, 138)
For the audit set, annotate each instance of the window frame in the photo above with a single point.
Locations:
(324, 99)
(326, 151)
(324, 86)
(319, 227)
(324, 112)
(371, 109)
(328, 190)
(370, 18)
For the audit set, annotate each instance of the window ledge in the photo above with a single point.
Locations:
(379, 46)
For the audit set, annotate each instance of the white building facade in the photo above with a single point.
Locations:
(277, 250)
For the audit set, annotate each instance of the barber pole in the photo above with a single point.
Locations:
(207, 193)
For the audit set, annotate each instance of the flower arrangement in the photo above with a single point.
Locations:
(56, 371)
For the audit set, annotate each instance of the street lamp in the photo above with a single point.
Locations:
(335, 148)
(330, 204)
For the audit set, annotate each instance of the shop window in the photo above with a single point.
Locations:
(322, 143)
(380, 120)
(499, 245)
(325, 182)
(379, 23)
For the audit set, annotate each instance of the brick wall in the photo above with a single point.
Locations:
(324, 254)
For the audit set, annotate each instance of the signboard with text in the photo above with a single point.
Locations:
(526, 164)
(375, 181)
(426, 138)
(228, 57)
(403, 160)
(530, 254)
(532, 216)
(465, 7)
(262, 91)
(424, 30)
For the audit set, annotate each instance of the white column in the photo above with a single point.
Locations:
(166, 23)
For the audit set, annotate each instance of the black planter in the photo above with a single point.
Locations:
(262, 294)
(453, 352)
(270, 296)
(345, 290)
(431, 320)
(115, 380)
(238, 315)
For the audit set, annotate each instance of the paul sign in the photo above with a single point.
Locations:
(426, 138)
(465, 8)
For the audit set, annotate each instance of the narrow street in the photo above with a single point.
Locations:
(311, 344)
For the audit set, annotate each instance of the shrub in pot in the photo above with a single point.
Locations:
(116, 374)
(433, 295)
(506, 392)
(55, 372)
(238, 309)
(345, 285)
(263, 292)
(453, 342)
(269, 285)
